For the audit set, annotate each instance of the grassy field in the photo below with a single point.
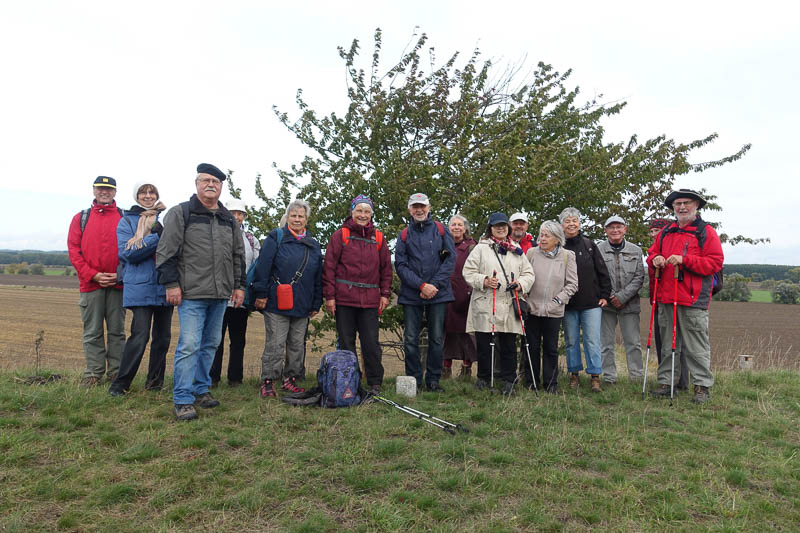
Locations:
(78, 460)
(760, 296)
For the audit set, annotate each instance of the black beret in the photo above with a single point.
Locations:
(105, 181)
(208, 168)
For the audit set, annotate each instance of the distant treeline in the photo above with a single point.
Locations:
(32, 257)
(776, 272)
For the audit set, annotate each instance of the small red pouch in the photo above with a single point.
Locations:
(285, 297)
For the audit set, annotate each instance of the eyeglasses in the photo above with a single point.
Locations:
(206, 181)
(681, 204)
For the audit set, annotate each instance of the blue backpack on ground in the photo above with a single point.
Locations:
(339, 378)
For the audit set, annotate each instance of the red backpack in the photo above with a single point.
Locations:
(439, 226)
(377, 240)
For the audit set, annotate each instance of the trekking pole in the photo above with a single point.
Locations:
(650, 333)
(409, 411)
(674, 331)
(494, 291)
(524, 336)
(421, 413)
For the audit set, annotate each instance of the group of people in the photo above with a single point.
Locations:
(474, 298)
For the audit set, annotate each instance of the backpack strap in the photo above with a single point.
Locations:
(346, 237)
(85, 217)
(439, 226)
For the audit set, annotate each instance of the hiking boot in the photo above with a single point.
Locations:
(596, 384)
(481, 384)
(375, 390)
(205, 400)
(662, 391)
(447, 372)
(90, 381)
(184, 412)
(234, 383)
(267, 389)
(701, 394)
(434, 387)
(153, 385)
(508, 388)
(552, 390)
(116, 392)
(110, 378)
(574, 382)
(290, 385)
(466, 371)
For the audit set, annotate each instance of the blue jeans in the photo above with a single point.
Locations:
(588, 321)
(201, 331)
(412, 321)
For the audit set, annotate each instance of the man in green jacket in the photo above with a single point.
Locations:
(200, 260)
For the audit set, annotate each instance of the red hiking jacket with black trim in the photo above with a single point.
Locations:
(698, 268)
(95, 249)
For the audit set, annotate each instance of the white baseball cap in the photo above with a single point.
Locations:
(418, 198)
(518, 216)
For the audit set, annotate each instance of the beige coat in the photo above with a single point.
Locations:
(556, 276)
(482, 263)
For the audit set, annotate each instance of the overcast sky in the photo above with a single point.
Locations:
(150, 89)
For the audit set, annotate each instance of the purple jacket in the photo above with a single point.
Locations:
(357, 273)
(455, 320)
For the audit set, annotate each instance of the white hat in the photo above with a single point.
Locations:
(234, 204)
(138, 185)
(612, 219)
(518, 216)
(418, 198)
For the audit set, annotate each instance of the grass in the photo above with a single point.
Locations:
(78, 460)
(760, 296)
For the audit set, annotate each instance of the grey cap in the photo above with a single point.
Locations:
(616, 218)
(518, 216)
(418, 198)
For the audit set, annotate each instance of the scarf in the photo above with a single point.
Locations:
(146, 220)
(506, 246)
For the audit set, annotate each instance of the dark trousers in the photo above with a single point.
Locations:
(160, 317)
(683, 379)
(235, 321)
(542, 341)
(352, 320)
(505, 347)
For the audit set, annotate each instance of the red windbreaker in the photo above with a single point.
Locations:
(360, 262)
(96, 249)
(699, 264)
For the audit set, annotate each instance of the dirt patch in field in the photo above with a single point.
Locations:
(58, 282)
(26, 311)
(767, 331)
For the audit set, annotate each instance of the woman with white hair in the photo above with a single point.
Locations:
(556, 281)
(458, 344)
(584, 313)
(288, 288)
(235, 319)
(138, 233)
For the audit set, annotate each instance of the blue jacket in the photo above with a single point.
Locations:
(139, 276)
(282, 262)
(418, 260)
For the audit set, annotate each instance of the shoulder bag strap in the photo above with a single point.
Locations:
(502, 268)
(299, 273)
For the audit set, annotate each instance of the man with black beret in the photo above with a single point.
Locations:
(689, 251)
(92, 245)
(201, 261)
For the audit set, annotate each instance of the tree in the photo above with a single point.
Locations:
(478, 140)
(793, 275)
(37, 269)
(734, 289)
(786, 293)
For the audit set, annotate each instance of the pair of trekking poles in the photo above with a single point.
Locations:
(524, 334)
(676, 271)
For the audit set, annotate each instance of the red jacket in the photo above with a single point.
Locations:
(359, 262)
(697, 270)
(96, 249)
(526, 243)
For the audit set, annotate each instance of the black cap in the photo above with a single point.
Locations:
(685, 193)
(208, 168)
(105, 181)
(498, 218)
